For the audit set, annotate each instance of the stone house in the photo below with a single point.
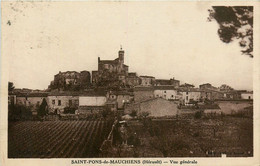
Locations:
(175, 83)
(71, 79)
(207, 86)
(231, 95)
(167, 92)
(206, 94)
(57, 101)
(143, 93)
(133, 80)
(92, 102)
(247, 95)
(172, 81)
(147, 80)
(216, 95)
(189, 96)
(120, 97)
(32, 100)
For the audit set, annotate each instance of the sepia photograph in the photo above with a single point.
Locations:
(129, 80)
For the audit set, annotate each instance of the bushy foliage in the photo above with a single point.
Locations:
(235, 22)
(198, 115)
(69, 110)
(19, 112)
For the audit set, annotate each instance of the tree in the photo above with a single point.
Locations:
(42, 109)
(235, 22)
(10, 86)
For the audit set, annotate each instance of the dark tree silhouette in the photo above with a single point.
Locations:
(10, 86)
(43, 108)
(235, 22)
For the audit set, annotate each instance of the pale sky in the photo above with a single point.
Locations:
(161, 39)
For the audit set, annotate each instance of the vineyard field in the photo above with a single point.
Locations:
(56, 139)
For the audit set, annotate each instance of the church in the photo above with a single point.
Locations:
(111, 72)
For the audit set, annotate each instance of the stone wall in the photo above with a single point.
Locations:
(143, 95)
(229, 107)
(159, 107)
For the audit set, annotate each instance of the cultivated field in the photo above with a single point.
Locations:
(206, 137)
(56, 139)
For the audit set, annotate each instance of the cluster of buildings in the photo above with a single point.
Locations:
(113, 87)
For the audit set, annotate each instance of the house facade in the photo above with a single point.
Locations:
(70, 80)
(190, 95)
(58, 101)
(147, 80)
(247, 95)
(166, 92)
(120, 97)
(92, 102)
(133, 80)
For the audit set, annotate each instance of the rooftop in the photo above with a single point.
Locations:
(147, 76)
(81, 93)
(143, 88)
(164, 87)
(32, 94)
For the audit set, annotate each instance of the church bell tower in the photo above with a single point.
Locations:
(121, 53)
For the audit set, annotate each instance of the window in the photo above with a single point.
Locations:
(165, 91)
(59, 102)
(38, 102)
(187, 93)
(70, 102)
(53, 102)
(187, 98)
(172, 96)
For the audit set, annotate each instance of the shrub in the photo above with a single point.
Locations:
(19, 112)
(133, 113)
(198, 115)
(69, 110)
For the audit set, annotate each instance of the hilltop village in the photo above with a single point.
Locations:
(112, 87)
(111, 112)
